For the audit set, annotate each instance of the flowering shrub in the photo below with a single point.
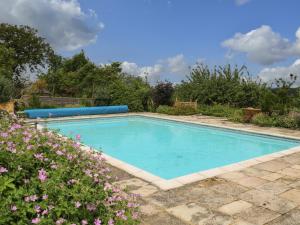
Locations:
(47, 180)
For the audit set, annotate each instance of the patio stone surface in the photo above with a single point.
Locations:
(149, 209)
(272, 166)
(267, 193)
(145, 190)
(290, 172)
(258, 215)
(292, 195)
(131, 184)
(251, 181)
(295, 185)
(268, 200)
(275, 187)
(272, 176)
(161, 218)
(291, 218)
(235, 207)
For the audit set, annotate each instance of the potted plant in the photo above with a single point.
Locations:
(6, 92)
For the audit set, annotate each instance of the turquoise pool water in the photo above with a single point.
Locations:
(169, 149)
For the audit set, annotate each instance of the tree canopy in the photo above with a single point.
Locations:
(25, 50)
(79, 77)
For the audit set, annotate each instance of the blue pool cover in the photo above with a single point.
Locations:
(61, 112)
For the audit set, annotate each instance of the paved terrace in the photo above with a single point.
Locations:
(267, 193)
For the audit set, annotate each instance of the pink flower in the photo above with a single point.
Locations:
(45, 197)
(15, 126)
(11, 147)
(35, 220)
(132, 205)
(37, 208)
(76, 145)
(42, 175)
(91, 207)
(4, 135)
(26, 139)
(60, 221)
(3, 169)
(135, 215)
(55, 145)
(84, 222)
(121, 214)
(59, 152)
(39, 156)
(53, 166)
(107, 186)
(45, 212)
(111, 222)
(78, 137)
(97, 221)
(13, 208)
(70, 157)
(72, 181)
(77, 204)
(29, 147)
(31, 198)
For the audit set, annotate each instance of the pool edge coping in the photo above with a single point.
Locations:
(190, 178)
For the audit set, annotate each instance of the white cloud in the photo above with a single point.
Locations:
(272, 73)
(241, 2)
(176, 67)
(152, 72)
(62, 22)
(177, 64)
(263, 45)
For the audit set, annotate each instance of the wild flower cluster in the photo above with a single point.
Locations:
(46, 180)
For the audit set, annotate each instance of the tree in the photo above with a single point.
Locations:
(64, 76)
(31, 52)
(6, 89)
(220, 85)
(79, 77)
(6, 61)
(162, 94)
(6, 71)
(284, 94)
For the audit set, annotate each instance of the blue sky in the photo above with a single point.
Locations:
(161, 38)
(144, 31)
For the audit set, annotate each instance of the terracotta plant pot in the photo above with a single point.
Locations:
(249, 113)
(8, 106)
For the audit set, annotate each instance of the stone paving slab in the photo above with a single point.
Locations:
(290, 172)
(292, 195)
(235, 207)
(291, 218)
(162, 218)
(251, 182)
(272, 166)
(275, 187)
(258, 215)
(268, 200)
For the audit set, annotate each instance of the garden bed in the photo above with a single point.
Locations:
(47, 180)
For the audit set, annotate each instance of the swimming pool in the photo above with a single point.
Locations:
(170, 149)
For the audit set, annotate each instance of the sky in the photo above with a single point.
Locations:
(164, 39)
